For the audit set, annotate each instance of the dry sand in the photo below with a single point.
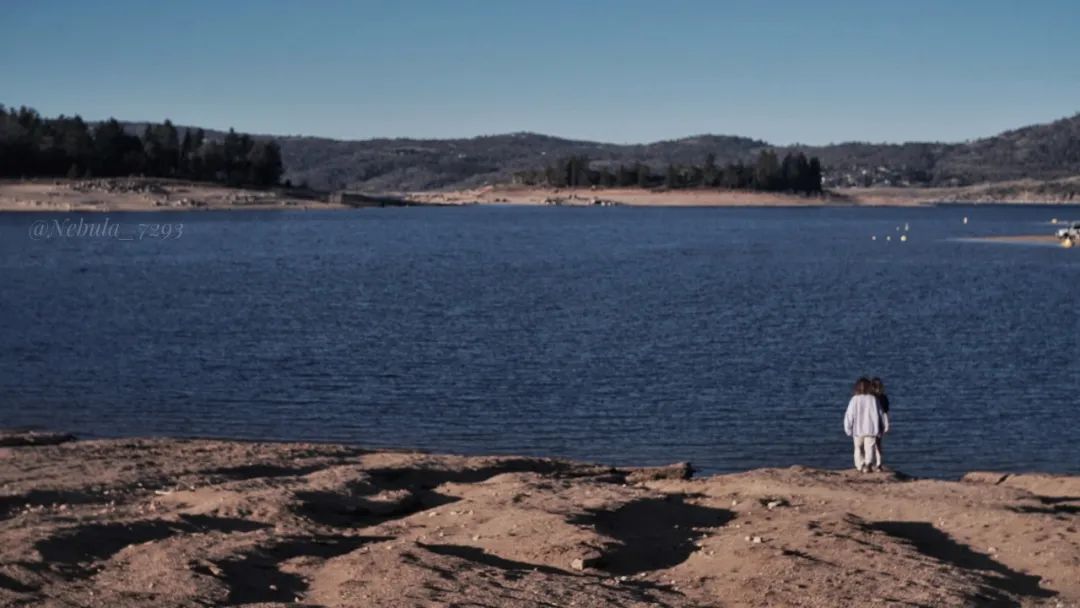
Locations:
(124, 523)
(1004, 192)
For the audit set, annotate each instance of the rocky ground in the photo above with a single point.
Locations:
(145, 194)
(163, 522)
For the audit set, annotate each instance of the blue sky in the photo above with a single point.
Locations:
(620, 70)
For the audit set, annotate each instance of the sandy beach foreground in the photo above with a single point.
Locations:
(163, 522)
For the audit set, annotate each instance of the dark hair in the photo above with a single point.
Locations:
(877, 387)
(862, 386)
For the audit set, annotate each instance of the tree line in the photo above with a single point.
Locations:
(32, 146)
(794, 173)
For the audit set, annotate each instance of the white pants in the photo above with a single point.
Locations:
(866, 451)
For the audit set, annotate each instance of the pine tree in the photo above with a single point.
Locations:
(671, 179)
(151, 151)
(767, 173)
(170, 149)
(643, 177)
(183, 158)
(814, 175)
(264, 160)
(709, 172)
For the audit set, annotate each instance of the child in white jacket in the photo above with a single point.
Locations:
(864, 423)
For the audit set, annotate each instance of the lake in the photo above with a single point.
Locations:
(726, 337)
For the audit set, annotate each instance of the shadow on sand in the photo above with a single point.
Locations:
(999, 582)
(651, 534)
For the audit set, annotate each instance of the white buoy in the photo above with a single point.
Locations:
(903, 238)
(907, 226)
(888, 238)
(873, 238)
(965, 219)
(1053, 221)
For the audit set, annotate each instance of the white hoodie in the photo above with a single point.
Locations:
(864, 417)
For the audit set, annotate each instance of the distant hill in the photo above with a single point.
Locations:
(1046, 151)
(411, 164)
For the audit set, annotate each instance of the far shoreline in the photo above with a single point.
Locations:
(1006, 193)
(135, 194)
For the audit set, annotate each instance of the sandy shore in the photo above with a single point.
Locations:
(148, 194)
(124, 523)
(618, 196)
(142, 194)
(1027, 239)
(1020, 192)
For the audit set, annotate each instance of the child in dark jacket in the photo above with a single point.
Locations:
(877, 388)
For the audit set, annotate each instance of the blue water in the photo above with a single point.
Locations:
(727, 337)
